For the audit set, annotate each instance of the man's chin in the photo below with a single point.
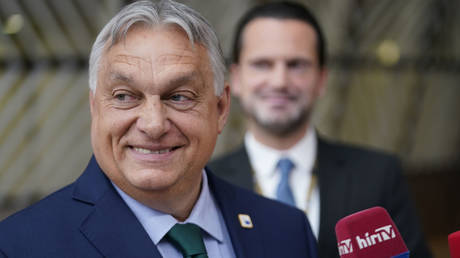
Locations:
(280, 126)
(277, 129)
(275, 121)
(153, 183)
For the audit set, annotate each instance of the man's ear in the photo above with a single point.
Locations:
(322, 82)
(235, 79)
(223, 107)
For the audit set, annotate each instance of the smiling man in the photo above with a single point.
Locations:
(158, 101)
(155, 117)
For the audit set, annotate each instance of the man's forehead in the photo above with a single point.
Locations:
(138, 71)
(130, 65)
(267, 36)
(262, 25)
(129, 60)
(125, 63)
(150, 53)
(175, 56)
(122, 75)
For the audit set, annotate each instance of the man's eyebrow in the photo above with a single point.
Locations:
(184, 78)
(117, 76)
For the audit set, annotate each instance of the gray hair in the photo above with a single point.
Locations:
(162, 12)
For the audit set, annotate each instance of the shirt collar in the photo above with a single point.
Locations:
(303, 153)
(264, 158)
(205, 214)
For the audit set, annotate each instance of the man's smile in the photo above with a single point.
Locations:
(153, 152)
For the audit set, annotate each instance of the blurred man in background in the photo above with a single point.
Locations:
(278, 72)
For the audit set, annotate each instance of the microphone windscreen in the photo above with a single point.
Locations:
(369, 233)
(454, 244)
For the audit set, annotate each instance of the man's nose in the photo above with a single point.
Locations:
(279, 77)
(153, 120)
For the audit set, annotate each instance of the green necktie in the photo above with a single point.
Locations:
(187, 239)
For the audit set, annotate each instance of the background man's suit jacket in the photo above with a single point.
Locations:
(350, 179)
(89, 219)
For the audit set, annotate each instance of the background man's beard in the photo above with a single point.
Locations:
(282, 127)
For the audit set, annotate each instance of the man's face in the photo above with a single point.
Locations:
(278, 77)
(155, 116)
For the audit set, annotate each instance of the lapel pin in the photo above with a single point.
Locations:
(245, 221)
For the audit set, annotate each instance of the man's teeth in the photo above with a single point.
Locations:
(147, 151)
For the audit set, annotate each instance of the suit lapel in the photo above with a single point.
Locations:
(334, 190)
(111, 226)
(241, 172)
(246, 242)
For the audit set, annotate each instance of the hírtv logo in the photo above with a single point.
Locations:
(380, 235)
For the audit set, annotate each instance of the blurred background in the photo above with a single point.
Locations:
(394, 84)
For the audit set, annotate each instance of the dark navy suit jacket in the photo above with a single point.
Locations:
(89, 219)
(350, 179)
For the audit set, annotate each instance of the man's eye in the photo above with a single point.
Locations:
(124, 97)
(261, 64)
(121, 97)
(178, 98)
(182, 101)
(299, 64)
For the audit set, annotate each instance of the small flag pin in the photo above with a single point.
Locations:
(245, 221)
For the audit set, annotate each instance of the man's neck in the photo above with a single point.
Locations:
(276, 141)
(178, 201)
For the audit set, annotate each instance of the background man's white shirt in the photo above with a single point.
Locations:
(264, 159)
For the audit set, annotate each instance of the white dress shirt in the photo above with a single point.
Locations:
(205, 214)
(264, 159)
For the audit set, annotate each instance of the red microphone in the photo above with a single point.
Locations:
(454, 244)
(369, 233)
